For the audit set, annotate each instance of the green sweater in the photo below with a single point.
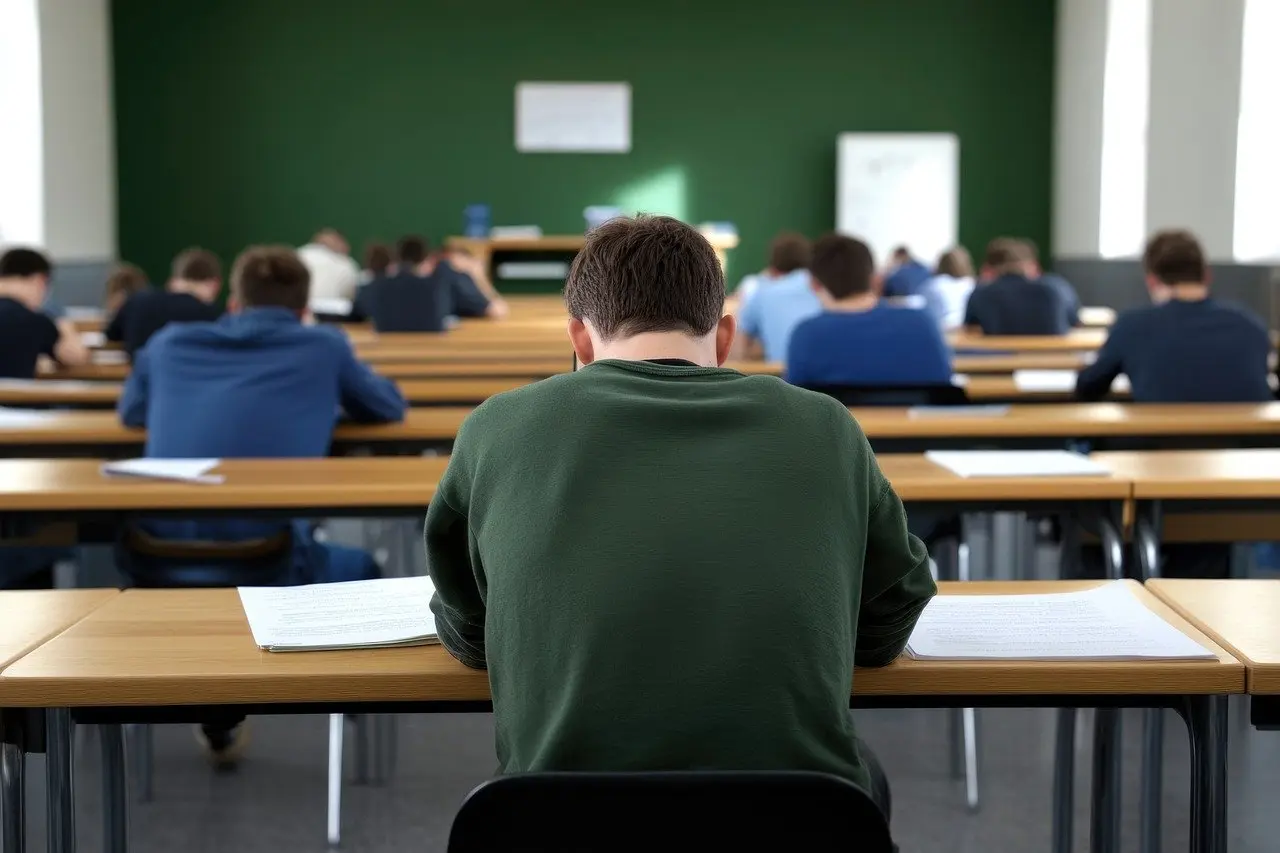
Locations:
(671, 567)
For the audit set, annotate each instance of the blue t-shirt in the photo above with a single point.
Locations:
(775, 309)
(1016, 305)
(1184, 352)
(887, 345)
(907, 280)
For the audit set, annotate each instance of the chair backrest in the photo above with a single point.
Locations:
(149, 562)
(669, 812)
(895, 395)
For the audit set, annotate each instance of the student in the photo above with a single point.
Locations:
(472, 276)
(1064, 287)
(947, 292)
(1187, 347)
(781, 299)
(422, 295)
(1012, 300)
(334, 273)
(378, 262)
(906, 275)
(710, 553)
(26, 333)
(190, 296)
(857, 339)
(124, 281)
(255, 384)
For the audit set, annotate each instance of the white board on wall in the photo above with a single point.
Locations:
(899, 189)
(573, 117)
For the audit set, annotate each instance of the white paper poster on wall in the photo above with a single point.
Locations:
(573, 117)
(899, 189)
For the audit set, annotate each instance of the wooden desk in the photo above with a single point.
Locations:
(484, 249)
(29, 618)
(1001, 363)
(1077, 340)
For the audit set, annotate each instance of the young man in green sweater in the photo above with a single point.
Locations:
(666, 564)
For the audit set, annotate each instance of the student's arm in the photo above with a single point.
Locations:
(453, 561)
(938, 351)
(68, 349)
(115, 328)
(475, 269)
(1072, 300)
(1093, 382)
(468, 301)
(132, 407)
(365, 396)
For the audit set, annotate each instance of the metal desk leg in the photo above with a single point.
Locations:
(1146, 546)
(60, 773)
(1206, 718)
(333, 824)
(115, 798)
(1064, 780)
(12, 798)
(1104, 830)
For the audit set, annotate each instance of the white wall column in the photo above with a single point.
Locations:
(1077, 134)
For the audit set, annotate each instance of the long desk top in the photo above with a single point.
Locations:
(1243, 616)
(1077, 340)
(29, 618)
(185, 647)
(1198, 474)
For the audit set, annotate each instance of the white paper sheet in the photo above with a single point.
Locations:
(1105, 623)
(333, 307)
(1017, 463)
(385, 613)
(993, 411)
(585, 117)
(1044, 381)
(20, 418)
(186, 470)
(93, 340)
(48, 384)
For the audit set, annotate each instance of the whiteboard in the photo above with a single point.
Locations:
(577, 117)
(899, 189)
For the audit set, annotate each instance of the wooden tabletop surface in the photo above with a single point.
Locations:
(916, 478)
(1077, 340)
(1241, 615)
(1197, 474)
(175, 647)
(28, 618)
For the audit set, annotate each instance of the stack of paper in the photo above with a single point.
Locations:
(334, 307)
(1104, 623)
(376, 614)
(1045, 381)
(1017, 463)
(991, 411)
(186, 470)
(20, 418)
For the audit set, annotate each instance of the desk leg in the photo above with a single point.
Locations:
(1064, 780)
(1206, 718)
(12, 806)
(1146, 547)
(60, 773)
(115, 805)
(1104, 830)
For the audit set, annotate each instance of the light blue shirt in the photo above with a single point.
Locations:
(772, 313)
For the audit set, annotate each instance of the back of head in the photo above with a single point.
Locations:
(789, 252)
(197, 266)
(411, 250)
(900, 255)
(270, 277)
(647, 274)
(25, 263)
(956, 263)
(377, 258)
(844, 266)
(125, 279)
(1175, 257)
(333, 240)
(1007, 255)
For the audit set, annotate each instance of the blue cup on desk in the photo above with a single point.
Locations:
(476, 219)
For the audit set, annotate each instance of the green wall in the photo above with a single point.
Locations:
(243, 121)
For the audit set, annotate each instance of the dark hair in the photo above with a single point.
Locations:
(271, 276)
(842, 265)
(647, 274)
(197, 265)
(377, 258)
(1004, 252)
(124, 280)
(956, 263)
(411, 250)
(1175, 257)
(901, 253)
(789, 252)
(23, 263)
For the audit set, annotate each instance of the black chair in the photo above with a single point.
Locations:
(895, 395)
(669, 812)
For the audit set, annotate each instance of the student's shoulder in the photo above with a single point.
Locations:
(1246, 315)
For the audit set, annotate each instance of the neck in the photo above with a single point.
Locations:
(191, 288)
(1189, 291)
(20, 290)
(860, 302)
(650, 345)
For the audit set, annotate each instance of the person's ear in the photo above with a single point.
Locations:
(580, 337)
(726, 329)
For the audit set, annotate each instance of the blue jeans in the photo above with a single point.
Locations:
(329, 563)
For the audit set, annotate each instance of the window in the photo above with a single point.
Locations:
(1122, 217)
(1257, 227)
(21, 143)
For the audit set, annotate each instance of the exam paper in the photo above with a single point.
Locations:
(384, 613)
(1017, 463)
(186, 470)
(19, 418)
(993, 411)
(1044, 381)
(1104, 623)
(332, 307)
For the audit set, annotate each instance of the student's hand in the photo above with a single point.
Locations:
(70, 349)
(498, 309)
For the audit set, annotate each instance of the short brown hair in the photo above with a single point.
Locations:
(844, 266)
(377, 258)
(1005, 252)
(789, 252)
(412, 249)
(271, 277)
(1175, 257)
(124, 280)
(647, 274)
(197, 265)
(956, 263)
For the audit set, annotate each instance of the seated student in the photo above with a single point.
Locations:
(712, 554)
(422, 294)
(857, 339)
(124, 281)
(781, 299)
(255, 384)
(1012, 300)
(378, 262)
(26, 333)
(470, 280)
(948, 291)
(334, 273)
(1187, 347)
(190, 296)
(1064, 287)
(905, 276)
